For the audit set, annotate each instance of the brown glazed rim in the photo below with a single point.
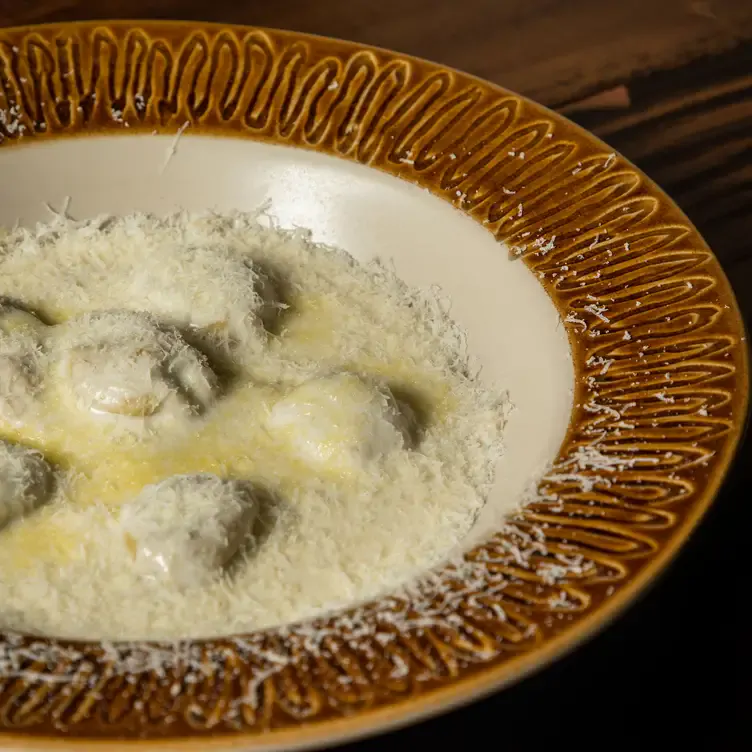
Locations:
(660, 400)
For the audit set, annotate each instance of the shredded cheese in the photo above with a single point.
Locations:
(276, 315)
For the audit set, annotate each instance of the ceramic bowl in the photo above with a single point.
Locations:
(583, 290)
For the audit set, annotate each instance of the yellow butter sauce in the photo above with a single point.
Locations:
(106, 467)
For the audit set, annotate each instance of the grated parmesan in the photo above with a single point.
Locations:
(274, 313)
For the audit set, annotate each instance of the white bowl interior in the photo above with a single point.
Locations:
(513, 327)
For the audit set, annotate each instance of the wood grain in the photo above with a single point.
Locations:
(690, 129)
(551, 50)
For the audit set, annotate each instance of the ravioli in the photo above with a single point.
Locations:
(25, 481)
(123, 365)
(339, 422)
(187, 528)
(21, 356)
(212, 470)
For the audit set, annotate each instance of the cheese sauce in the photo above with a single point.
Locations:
(328, 538)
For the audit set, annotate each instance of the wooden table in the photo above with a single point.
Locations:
(669, 84)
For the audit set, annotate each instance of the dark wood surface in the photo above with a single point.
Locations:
(554, 51)
(668, 83)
